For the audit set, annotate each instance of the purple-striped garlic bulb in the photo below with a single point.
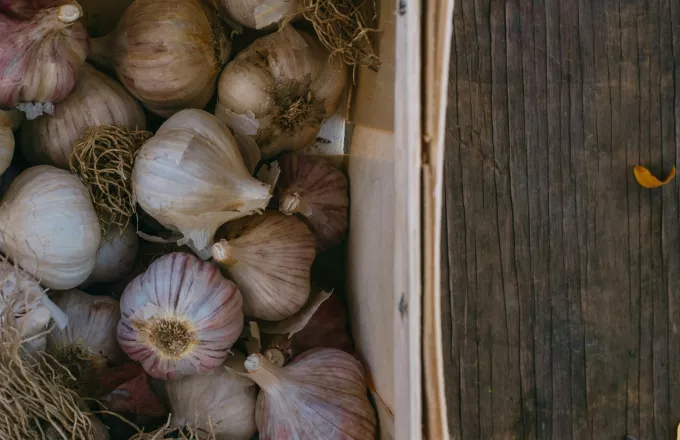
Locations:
(314, 189)
(269, 257)
(320, 395)
(180, 317)
(41, 57)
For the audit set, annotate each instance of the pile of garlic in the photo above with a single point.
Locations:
(223, 329)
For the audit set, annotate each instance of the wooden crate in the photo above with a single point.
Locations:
(392, 140)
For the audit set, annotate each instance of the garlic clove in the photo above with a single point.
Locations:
(49, 227)
(318, 192)
(221, 400)
(320, 395)
(180, 317)
(116, 255)
(279, 90)
(97, 100)
(191, 178)
(41, 56)
(91, 329)
(167, 53)
(269, 257)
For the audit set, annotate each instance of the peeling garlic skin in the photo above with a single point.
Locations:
(41, 55)
(180, 317)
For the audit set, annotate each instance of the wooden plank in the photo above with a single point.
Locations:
(562, 272)
(407, 223)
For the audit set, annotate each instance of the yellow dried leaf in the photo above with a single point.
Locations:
(647, 180)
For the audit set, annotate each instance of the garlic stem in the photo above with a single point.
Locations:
(264, 373)
(69, 13)
(294, 203)
(220, 252)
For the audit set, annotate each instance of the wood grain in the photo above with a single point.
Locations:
(560, 274)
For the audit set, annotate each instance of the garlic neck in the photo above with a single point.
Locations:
(221, 252)
(264, 373)
(294, 203)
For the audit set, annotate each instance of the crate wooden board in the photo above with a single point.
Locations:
(561, 275)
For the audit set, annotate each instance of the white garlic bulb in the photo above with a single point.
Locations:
(180, 317)
(49, 227)
(191, 178)
(92, 323)
(97, 100)
(167, 53)
(259, 14)
(116, 255)
(221, 400)
(269, 257)
(320, 395)
(32, 309)
(279, 90)
(41, 56)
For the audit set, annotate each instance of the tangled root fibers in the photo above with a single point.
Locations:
(103, 159)
(33, 401)
(169, 431)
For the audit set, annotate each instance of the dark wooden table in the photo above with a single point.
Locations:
(562, 275)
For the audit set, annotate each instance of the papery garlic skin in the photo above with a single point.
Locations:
(49, 227)
(220, 400)
(32, 309)
(259, 14)
(191, 178)
(168, 53)
(97, 100)
(313, 188)
(279, 90)
(180, 317)
(116, 255)
(92, 324)
(321, 394)
(41, 55)
(269, 257)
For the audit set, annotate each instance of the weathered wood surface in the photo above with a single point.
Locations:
(561, 276)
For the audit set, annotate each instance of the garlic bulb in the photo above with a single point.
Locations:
(41, 56)
(313, 188)
(222, 400)
(32, 309)
(279, 90)
(259, 14)
(6, 141)
(167, 53)
(269, 257)
(49, 227)
(191, 178)
(91, 329)
(320, 395)
(180, 317)
(97, 100)
(116, 255)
